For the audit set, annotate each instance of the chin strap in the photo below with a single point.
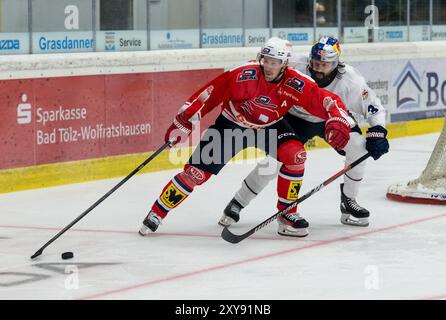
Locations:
(280, 75)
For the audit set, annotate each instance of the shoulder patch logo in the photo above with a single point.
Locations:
(296, 84)
(247, 74)
(365, 94)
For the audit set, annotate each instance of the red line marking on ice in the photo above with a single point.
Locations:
(107, 231)
(442, 297)
(154, 235)
(262, 257)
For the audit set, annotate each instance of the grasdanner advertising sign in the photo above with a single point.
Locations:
(221, 38)
(295, 35)
(50, 42)
(409, 89)
(391, 34)
(14, 43)
(133, 40)
(174, 39)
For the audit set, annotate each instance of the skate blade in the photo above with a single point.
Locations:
(144, 231)
(226, 221)
(349, 220)
(292, 232)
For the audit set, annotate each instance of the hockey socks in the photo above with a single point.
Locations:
(178, 189)
(288, 186)
(292, 154)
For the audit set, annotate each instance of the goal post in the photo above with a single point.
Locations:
(430, 186)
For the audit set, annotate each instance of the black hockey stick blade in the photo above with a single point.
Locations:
(227, 235)
(234, 238)
(37, 253)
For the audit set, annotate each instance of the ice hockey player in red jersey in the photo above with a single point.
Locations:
(253, 99)
(324, 66)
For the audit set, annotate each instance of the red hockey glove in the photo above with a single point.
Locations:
(179, 130)
(337, 132)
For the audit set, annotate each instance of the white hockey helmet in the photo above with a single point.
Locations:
(276, 48)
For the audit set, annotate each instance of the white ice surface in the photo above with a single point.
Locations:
(401, 255)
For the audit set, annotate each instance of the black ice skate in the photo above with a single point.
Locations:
(150, 223)
(292, 225)
(231, 214)
(352, 213)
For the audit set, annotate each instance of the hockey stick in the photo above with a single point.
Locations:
(131, 174)
(233, 238)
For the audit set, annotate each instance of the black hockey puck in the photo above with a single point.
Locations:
(67, 255)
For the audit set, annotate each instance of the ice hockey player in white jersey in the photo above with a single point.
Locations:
(324, 67)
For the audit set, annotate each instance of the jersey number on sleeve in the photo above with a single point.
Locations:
(372, 109)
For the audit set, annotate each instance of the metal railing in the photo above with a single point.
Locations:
(146, 35)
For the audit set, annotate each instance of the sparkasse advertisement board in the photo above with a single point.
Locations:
(51, 120)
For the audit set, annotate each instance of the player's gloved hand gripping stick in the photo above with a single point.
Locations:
(233, 238)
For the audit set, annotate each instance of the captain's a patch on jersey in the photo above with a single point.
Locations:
(295, 83)
(247, 74)
(172, 197)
